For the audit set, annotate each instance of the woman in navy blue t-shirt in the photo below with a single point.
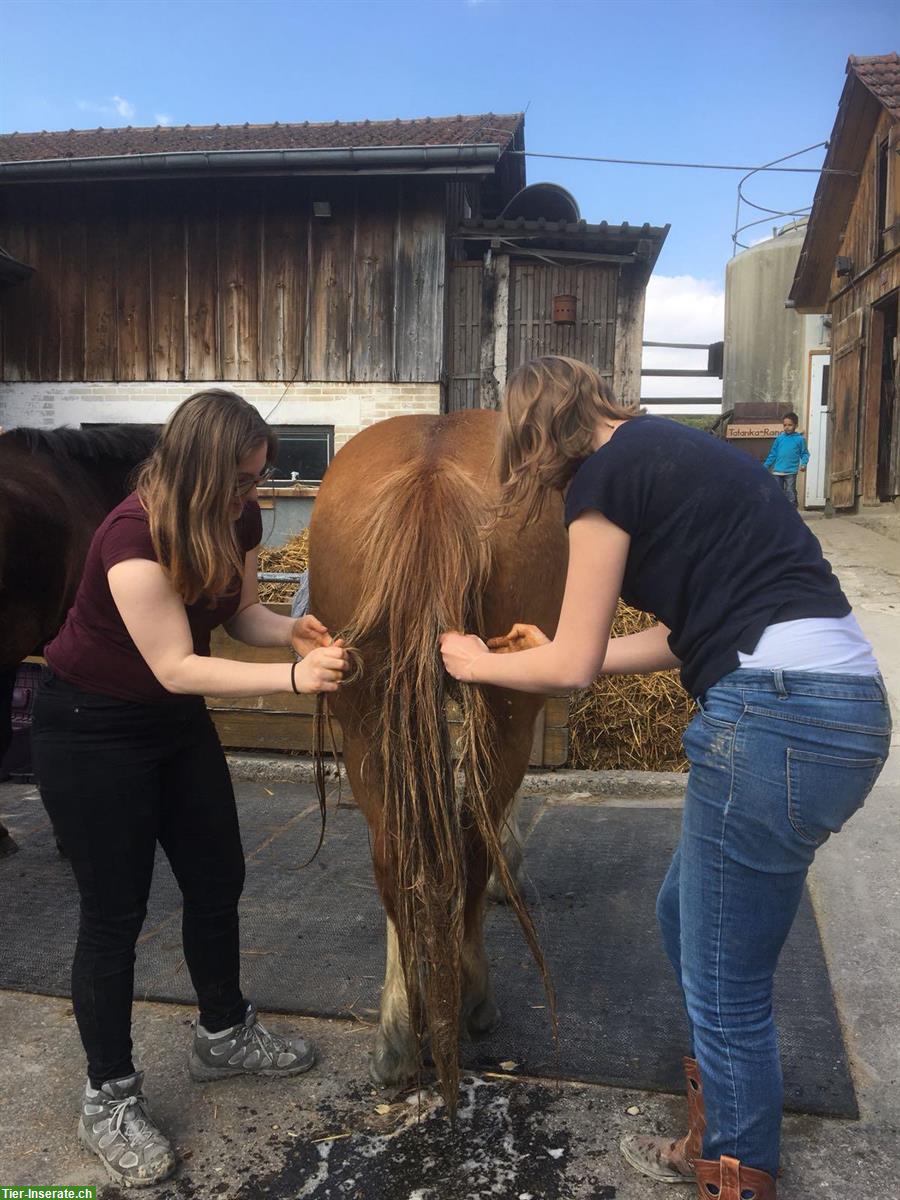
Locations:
(792, 731)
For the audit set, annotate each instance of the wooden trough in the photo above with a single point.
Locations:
(285, 722)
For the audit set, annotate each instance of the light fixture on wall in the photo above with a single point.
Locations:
(321, 208)
(843, 265)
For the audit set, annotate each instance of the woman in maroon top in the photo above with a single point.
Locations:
(127, 756)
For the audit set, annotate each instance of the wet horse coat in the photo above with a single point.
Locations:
(405, 543)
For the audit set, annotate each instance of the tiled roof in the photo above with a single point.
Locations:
(642, 242)
(881, 75)
(162, 139)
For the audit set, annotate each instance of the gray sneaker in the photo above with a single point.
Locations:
(116, 1125)
(247, 1049)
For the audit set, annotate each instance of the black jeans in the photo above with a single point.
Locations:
(116, 778)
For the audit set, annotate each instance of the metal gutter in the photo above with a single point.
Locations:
(437, 159)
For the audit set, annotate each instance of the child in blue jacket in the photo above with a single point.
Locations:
(788, 456)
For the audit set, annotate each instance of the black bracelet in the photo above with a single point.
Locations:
(293, 680)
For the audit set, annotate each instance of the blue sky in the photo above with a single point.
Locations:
(688, 80)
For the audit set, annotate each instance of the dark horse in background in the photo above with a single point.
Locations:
(405, 543)
(56, 486)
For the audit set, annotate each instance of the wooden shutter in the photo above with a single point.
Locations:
(845, 393)
(892, 207)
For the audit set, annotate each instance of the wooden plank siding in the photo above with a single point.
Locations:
(465, 309)
(331, 269)
(419, 280)
(372, 316)
(860, 439)
(133, 294)
(226, 279)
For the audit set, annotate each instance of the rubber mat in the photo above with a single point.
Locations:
(313, 941)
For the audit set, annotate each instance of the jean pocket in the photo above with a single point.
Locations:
(721, 715)
(824, 791)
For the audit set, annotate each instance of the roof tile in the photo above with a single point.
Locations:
(881, 75)
(333, 135)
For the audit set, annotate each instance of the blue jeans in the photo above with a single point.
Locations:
(789, 487)
(779, 761)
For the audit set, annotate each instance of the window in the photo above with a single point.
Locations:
(304, 452)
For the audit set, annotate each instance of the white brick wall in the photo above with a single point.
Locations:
(349, 407)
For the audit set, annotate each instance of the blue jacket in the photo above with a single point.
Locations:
(788, 454)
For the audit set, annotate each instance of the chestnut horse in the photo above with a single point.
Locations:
(56, 486)
(405, 543)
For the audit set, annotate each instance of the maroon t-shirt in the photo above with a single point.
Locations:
(94, 650)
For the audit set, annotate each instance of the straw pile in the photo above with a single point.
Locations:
(622, 722)
(293, 556)
(630, 722)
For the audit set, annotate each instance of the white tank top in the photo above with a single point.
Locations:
(831, 644)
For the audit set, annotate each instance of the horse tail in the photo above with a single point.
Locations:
(425, 572)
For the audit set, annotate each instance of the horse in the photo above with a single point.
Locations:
(407, 540)
(56, 486)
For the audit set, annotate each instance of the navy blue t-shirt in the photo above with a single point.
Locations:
(717, 551)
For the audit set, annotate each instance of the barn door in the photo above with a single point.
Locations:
(845, 395)
(464, 351)
(532, 330)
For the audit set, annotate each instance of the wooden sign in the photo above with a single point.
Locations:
(762, 430)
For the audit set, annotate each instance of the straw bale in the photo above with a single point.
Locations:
(293, 556)
(630, 722)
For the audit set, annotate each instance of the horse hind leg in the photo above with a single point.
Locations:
(394, 1057)
(511, 846)
(480, 1014)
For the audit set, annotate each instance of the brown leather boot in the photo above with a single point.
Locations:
(728, 1179)
(665, 1160)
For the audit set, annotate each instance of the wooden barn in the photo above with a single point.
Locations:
(849, 268)
(333, 274)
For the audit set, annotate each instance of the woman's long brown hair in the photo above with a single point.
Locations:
(551, 409)
(188, 487)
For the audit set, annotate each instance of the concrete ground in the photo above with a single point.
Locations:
(331, 1134)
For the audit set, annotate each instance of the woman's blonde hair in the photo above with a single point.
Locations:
(189, 486)
(551, 409)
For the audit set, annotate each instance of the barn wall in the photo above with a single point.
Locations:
(859, 238)
(225, 279)
(502, 315)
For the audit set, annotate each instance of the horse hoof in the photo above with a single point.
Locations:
(388, 1067)
(483, 1020)
(7, 846)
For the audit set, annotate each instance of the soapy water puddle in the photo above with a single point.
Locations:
(500, 1149)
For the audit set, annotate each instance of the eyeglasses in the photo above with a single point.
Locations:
(246, 482)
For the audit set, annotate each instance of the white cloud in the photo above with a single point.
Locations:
(681, 308)
(162, 119)
(124, 107)
(115, 106)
